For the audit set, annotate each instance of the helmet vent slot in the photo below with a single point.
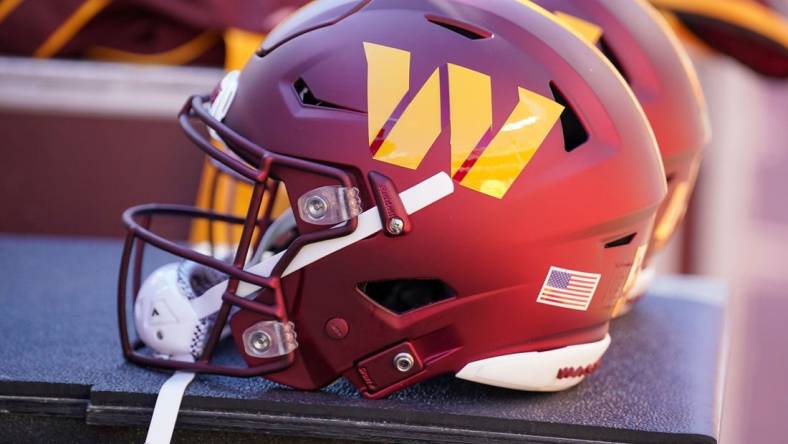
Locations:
(403, 295)
(464, 29)
(575, 133)
(611, 56)
(620, 242)
(307, 97)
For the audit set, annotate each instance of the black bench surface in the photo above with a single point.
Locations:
(60, 362)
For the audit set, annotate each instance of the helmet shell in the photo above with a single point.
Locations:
(493, 253)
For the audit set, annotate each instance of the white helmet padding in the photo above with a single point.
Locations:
(163, 316)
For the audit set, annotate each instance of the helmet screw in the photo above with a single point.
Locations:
(396, 226)
(403, 362)
(316, 207)
(336, 328)
(260, 341)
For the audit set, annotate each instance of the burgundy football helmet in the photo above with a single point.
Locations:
(636, 39)
(753, 32)
(469, 186)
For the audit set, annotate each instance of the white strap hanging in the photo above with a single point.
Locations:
(168, 404)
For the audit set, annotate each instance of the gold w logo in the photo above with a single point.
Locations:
(402, 133)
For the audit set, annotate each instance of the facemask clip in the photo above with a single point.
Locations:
(270, 339)
(329, 205)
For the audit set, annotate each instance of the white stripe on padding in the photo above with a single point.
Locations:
(162, 423)
(414, 199)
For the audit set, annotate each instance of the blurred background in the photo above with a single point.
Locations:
(89, 90)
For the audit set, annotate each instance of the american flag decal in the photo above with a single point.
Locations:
(568, 288)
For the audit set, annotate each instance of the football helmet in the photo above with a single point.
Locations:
(469, 185)
(635, 38)
(746, 30)
(172, 32)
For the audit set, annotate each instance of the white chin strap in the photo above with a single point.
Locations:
(168, 403)
(174, 322)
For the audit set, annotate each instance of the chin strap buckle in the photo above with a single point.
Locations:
(393, 214)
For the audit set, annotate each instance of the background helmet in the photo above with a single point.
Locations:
(457, 206)
(746, 30)
(639, 43)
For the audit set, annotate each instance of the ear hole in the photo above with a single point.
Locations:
(403, 295)
(575, 133)
(620, 242)
(611, 56)
(464, 29)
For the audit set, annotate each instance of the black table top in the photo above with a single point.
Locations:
(660, 380)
